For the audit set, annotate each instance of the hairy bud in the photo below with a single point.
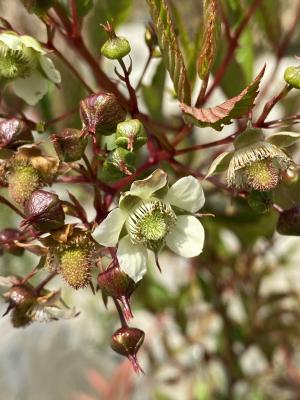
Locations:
(117, 284)
(44, 211)
(127, 342)
(14, 133)
(100, 113)
(70, 144)
(130, 134)
(22, 181)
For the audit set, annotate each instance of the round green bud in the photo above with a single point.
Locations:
(292, 76)
(130, 134)
(116, 48)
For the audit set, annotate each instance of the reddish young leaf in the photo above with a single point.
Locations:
(234, 108)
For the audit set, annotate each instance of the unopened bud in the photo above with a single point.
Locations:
(70, 144)
(44, 211)
(14, 133)
(289, 222)
(116, 48)
(117, 284)
(292, 76)
(130, 134)
(100, 113)
(120, 162)
(127, 342)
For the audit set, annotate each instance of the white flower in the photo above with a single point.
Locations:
(23, 61)
(151, 215)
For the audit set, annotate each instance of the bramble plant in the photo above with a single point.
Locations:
(145, 171)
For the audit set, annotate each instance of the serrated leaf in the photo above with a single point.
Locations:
(220, 164)
(234, 108)
(284, 139)
(170, 49)
(210, 38)
(154, 93)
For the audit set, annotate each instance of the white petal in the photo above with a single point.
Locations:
(49, 69)
(132, 258)
(146, 187)
(187, 193)
(11, 40)
(187, 237)
(29, 41)
(31, 89)
(108, 232)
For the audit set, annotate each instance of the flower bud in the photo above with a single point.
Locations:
(292, 76)
(7, 241)
(120, 162)
(117, 284)
(116, 48)
(38, 7)
(100, 113)
(289, 222)
(152, 41)
(44, 211)
(20, 299)
(130, 134)
(70, 144)
(14, 133)
(22, 181)
(127, 341)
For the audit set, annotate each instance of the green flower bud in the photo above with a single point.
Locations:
(14, 133)
(116, 48)
(100, 113)
(70, 144)
(44, 211)
(292, 76)
(130, 134)
(127, 342)
(119, 163)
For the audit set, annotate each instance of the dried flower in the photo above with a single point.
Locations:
(153, 216)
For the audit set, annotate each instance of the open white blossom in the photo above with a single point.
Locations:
(151, 215)
(24, 61)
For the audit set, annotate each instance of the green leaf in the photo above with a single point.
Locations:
(245, 54)
(170, 49)
(154, 93)
(234, 108)
(210, 38)
(220, 164)
(284, 139)
(84, 6)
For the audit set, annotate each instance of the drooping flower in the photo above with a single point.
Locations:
(256, 163)
(24, 61)
(151, 215)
